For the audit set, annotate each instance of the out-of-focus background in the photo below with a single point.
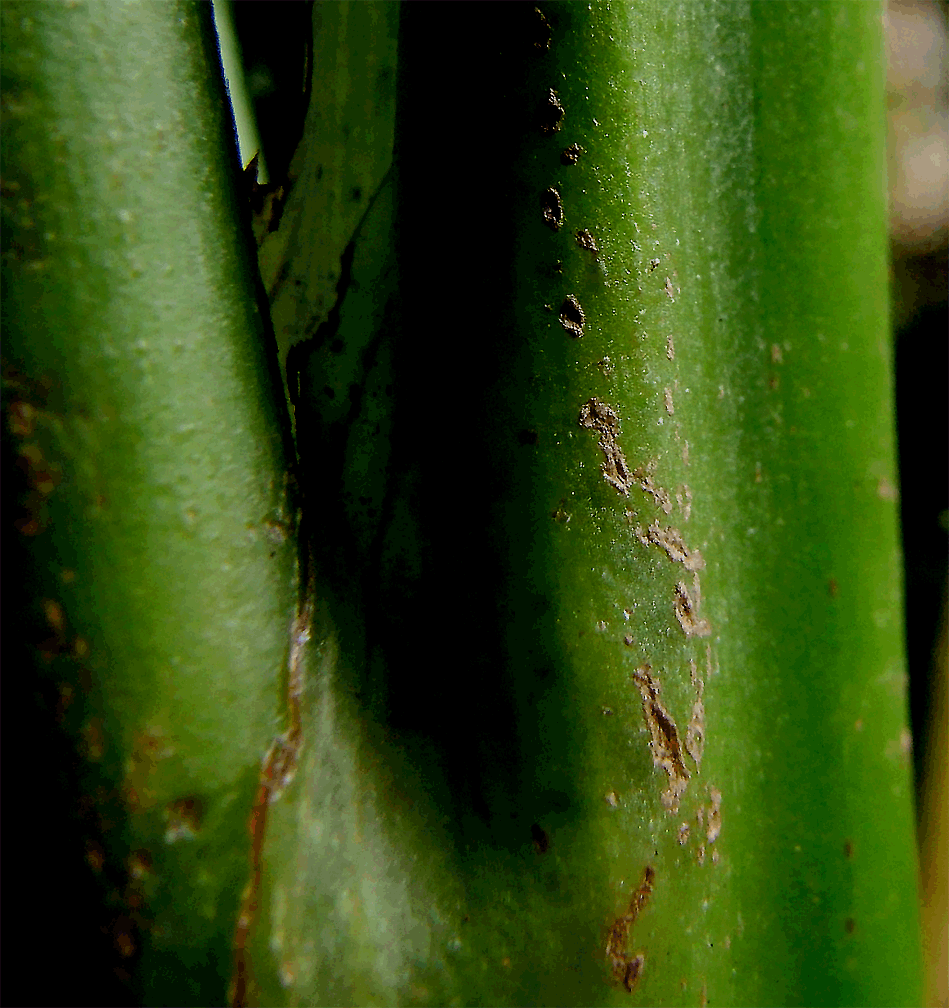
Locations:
(917, 42)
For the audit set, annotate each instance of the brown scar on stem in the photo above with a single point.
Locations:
(667, 401)
(685, 610)
(571, 155)
(572, 316)
(713, 819)
(664, 742)
(670, 348)
(586, 241)
(597, 416)
(277, 771)
(626, 968)
(695, 732)
(670, 540)
(669, 289)
(552, 208)
(561, 516)
(644, 475)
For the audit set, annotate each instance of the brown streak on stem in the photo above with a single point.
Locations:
(627, 968)
(278, 770)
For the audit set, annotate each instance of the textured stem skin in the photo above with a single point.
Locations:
(154, 525)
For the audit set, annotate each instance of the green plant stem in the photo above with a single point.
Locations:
(583, 720)
(141, 405)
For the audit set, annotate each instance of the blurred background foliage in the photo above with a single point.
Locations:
(918, 99)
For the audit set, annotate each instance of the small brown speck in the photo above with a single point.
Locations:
(552, 208)
(571, 155)
(850, 925)
(586, 241)
(612, 799)
(571, 316)
(670, 348)
(669, 289)
(683, 834)
(628, 641)
(848, 849)
(540, 839)
(653, 264)
(832, 587)
(776, 356)
(183, 819)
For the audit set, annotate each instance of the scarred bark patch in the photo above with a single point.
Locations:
(597, 416)
(626, 968)
(664, 743)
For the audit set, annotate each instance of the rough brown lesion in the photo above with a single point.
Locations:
(277, 771)
(572, 316)
(571, 155)
(552, 208)
(586, 241)
(626, 968)
(685, 609)
(664, 742)
(597, 416)
(643, 475)
(670, 540)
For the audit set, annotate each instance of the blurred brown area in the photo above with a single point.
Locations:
(918, 99)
